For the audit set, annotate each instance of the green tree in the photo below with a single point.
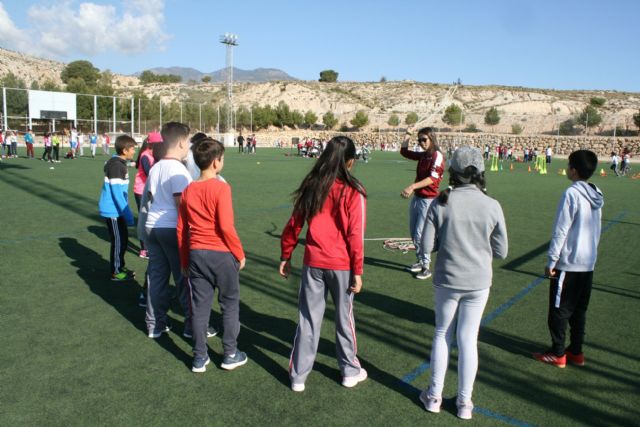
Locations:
(83, 70)
(310, 118)
(148, 76)
(243, 117)
(516, 129)
(360, 120)
(17, 100)
(492, 117)
(329, 120)
(263, 117)
(34, 85)
(567, 127)
(394, 120)
(383, 79)
(636, 120)
(589, 117)
(328, 76)
(51, 86)
(283, 115)
(471, 128)
(453, 115)
(297, 118)
(206, 79)
(411, 119)
(597, 102)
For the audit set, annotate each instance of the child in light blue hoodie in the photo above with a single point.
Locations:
(572, 257)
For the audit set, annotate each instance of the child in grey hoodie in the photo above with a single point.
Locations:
(572, 257)
(468, 230)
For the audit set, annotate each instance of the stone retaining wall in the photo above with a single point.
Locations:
(561, 145)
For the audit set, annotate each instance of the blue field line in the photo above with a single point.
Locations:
(411, 376)
(614, 221)
(500, 417)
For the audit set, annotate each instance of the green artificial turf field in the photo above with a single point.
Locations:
(74, 349)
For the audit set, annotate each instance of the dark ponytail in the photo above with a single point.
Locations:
(470, 176)
(331, 165)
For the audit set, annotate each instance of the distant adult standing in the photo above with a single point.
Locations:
(28, 141)
(46, 154)
(80, 143)
(425, 188)
(240, 142)
(74, 142)
(548, 153)
(93, 141)
(14, 144)
(105, 143)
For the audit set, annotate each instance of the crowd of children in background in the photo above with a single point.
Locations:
(52, 142)
(187, 231)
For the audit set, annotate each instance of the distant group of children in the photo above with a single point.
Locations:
(620, 163)
(52, 142)
(187, 226)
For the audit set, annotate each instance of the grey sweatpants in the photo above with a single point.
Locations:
(164, 261)
(418, 208)
(316, 284)
(209, 270)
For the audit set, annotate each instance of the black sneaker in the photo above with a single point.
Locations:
(234, 360)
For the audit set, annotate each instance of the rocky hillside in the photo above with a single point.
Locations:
(535, 110)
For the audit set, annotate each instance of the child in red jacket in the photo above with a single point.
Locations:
(333, 203)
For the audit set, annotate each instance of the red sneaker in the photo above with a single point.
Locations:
(575, 359)
(551, 359)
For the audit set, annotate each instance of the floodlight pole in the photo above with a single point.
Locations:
(133, 117)
(200, 106)
(180, 111)
(230, 40)
(139, 116)
(160, 112)
(95, 114)
(4, 107)
(114, 114)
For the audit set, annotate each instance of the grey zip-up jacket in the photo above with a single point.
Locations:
(467, 232)
(576, 230)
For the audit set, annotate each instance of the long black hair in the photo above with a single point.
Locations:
(431, 134)
(143, 148)
(469, 176)
(332, 164)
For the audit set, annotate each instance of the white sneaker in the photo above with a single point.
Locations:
(297, 387)
(431, 404)
(354, 380)
(424, 274)
(465, 409)
(415, 268)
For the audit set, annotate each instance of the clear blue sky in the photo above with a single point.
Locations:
(560, 44)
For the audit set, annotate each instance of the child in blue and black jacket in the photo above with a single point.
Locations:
(114, 205)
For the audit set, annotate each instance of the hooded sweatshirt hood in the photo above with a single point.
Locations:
(590, 192)
(576, 230)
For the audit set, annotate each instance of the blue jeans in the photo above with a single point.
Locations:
(417, 216)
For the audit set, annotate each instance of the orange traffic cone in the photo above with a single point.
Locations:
(602, 172)
(511, 167)
(529, 170)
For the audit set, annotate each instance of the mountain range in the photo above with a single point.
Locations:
(259, 75)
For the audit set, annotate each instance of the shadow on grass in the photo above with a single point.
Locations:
(383, 263)
(102, 233)
(5, 165)
(76, 203)
(94, 271)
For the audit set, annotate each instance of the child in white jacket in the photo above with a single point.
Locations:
(572, 258)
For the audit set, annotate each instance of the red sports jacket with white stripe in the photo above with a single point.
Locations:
(335, 236)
